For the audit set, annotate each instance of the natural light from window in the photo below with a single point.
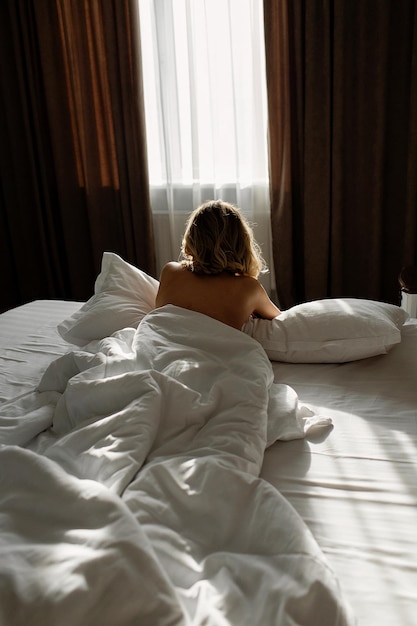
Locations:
(205, 94)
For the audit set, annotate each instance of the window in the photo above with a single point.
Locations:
(205, 105)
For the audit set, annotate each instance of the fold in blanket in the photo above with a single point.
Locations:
(143, 476)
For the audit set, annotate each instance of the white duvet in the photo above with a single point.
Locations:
(129, 488)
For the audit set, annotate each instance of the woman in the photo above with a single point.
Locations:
(219, 268)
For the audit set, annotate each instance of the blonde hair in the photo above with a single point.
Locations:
(218, 238)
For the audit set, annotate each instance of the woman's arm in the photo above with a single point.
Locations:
(264, 307)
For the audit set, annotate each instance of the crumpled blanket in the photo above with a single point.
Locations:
(130, 489)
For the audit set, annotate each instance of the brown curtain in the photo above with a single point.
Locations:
(342, 99)
(72, 152)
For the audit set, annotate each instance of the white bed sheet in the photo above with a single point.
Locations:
(356, 487)
(29, 341)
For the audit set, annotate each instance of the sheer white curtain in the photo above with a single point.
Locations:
(205, 104)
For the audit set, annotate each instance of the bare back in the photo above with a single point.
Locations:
(227, 298)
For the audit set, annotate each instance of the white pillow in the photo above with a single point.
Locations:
(123, 295)
(329, 331)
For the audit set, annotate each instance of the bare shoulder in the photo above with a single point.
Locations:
(171, 284)
(252, 286)
(170, 271)
(171, 267)
(263, 305)
(252, 283)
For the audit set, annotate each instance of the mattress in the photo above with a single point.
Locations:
(356, 486)
(354, 483)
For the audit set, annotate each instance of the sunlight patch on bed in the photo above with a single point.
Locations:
(369, 472)
(186, 471)
(182, 366)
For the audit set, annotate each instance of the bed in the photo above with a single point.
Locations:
(158, 467)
